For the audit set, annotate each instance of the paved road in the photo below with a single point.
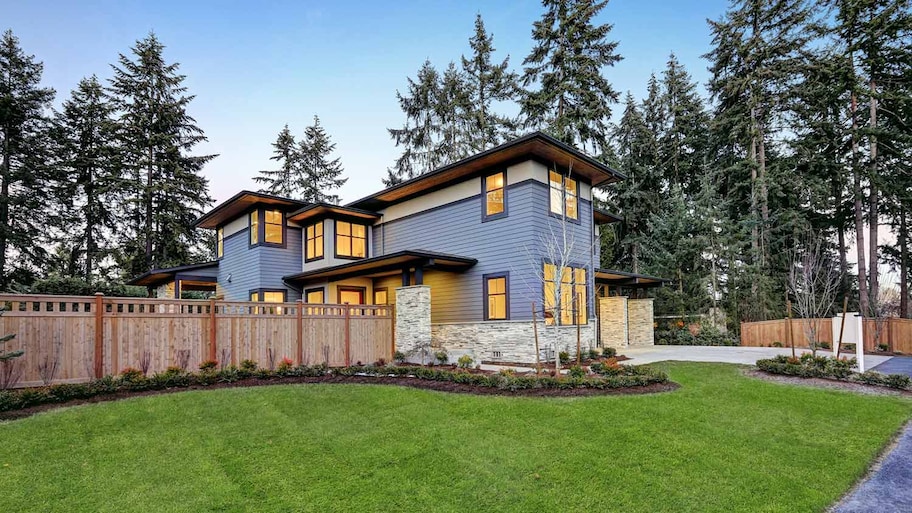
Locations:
(745, 355)
(889, 489)
(896, 365)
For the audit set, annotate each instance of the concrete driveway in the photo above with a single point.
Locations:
(722, 354)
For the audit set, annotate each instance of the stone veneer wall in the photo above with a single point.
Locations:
(613, 328)
(514, 341)
(413, 318)
(640, 321)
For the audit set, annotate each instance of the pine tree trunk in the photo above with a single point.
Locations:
(903, 264)
(873, 207)
(148, 202)
(859, 216)
(91, 248)
(4, 209)
(764, 196)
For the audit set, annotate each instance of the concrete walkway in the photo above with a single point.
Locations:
(896, 365)
(889, 488)
(722, 354)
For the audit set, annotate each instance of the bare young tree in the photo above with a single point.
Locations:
(882, 304)
(813, 282)
(10, 366)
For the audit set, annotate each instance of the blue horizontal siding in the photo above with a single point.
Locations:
(258, 267)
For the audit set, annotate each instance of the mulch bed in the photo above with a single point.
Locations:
(440, 386)
(831, 384)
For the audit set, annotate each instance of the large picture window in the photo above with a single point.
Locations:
(275, 227)
(497, 303)
(495, 204)
(571, 307)
(564, 195)
(314, 244)
(351, 240)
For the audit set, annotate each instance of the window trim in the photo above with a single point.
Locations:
(219, 242)
(381, 289)
(321, 290)
(573, 267)
(322, 236)
(336, 240)
(484, 281)
(563, 213)
(260, 292)
(485, 217)
(261, 228)
(348, 288)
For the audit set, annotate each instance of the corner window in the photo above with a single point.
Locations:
(564, 195)
(571, 306)
(351, 240)
(254, 227)
(275, 227)
(496, 300)
(268, 296)
(220, 242)
(314, 244)
(495, 196)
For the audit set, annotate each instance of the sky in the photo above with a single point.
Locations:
(255, 66)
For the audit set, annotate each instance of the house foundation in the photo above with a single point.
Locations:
(509, 341)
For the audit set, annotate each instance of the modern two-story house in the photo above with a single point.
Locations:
(484, 236)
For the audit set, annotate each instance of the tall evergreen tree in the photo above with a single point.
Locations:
(682, 146)
(24, 173)
(573, 98)
(87, 156)
(487, 83)
(158, 135)
(417, 137)
(281, 182)
(319, 175)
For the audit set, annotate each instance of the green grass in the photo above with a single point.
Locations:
(722, 442)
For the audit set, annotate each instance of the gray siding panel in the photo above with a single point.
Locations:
(258, 267)
(509, 244)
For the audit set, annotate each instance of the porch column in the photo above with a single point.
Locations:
(419, 276)
(406, 277)
(613, 327)
(641, 320)
(413, 322)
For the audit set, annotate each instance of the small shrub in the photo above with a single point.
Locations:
(399, 357)
(442, 357)
(285, 366)
(208, 366)
(593, 354)
(131, 374)
(506, 372)
(882, 347)
(248, 366)
(577, 372)
(609, 352)
(871, 378)
(380, 363)
(777, 344)
(465, 361)
(900, 381)
(823, 345)
(564, 357)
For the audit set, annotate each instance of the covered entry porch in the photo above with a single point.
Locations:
(625, 314)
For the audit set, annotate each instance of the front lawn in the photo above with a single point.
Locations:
(722, 442)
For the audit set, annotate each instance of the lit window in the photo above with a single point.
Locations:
(314, 296)
(273, 297)
(220, 243)
(496, 291)
(351, 240)
(274, 227)
(494, 195)
(381, 297)
(254, 296)
(573, 287)
(566, 188)
(254, 227)
(314, 241)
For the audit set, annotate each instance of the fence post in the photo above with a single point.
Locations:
(212, 331)
(347, 335)
(99, 335)
(300, 331)
(393, 329)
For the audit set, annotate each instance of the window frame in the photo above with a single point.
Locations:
(321, 290)
(322, 238)
(573, 286)
(348, 288)
(352, 237)
(261, 293)
(484, 197)
(486, 295)
(385, 290)
(281, 223)
(563, 213)
(260, 213)
(219, 242)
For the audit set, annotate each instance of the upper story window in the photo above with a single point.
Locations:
(220, 242)
(495, 204)
(571, 307)
(564, 195)
(267, 227)
(313, 249)
(351, 240)
(496, 302)
(275, 227)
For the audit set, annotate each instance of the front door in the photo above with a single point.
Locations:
(351, 295)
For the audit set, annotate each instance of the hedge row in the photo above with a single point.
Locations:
(132, 380)
(809, 366)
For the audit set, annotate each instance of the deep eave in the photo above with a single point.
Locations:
(536, 146)
(159, 276)
(384, 265)
(317, 211)
(626, 279)
(240, 203)
(603, 216)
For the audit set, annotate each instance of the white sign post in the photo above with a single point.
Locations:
(859, 342)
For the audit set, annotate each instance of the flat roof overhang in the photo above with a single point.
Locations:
(159, 276)
(536, 146)
(240, 203)
(602, 216)
(625, 279)
(319, 211)
(385, 265)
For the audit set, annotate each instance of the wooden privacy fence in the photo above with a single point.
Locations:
(894, 332)
(91, 336)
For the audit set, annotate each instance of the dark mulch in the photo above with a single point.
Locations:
(833, 384)
(440, 386)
